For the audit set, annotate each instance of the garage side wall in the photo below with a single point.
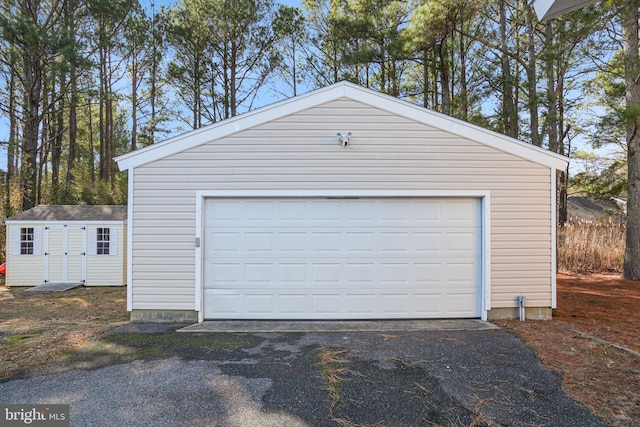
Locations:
(300, 152)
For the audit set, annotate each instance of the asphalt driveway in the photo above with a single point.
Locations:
(150, 375)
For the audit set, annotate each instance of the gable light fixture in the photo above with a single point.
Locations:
(343, 140)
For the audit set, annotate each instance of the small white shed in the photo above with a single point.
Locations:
(342, 203)
(67, 244)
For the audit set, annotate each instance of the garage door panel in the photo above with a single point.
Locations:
(462, 243)
(359, 242)
(395, 242)
(394, 273)
(359, 213)
(229, 274)
(258, 242)
(361, 305)
(326, 305)
(293, 305)
(328, 274)
(341, 259)
(326, 241)
(428, 273)
(361, 274)
(292, 210)
(292, 274)
(259, 274)
(428, 243)
(429, 304)
(461, 212)
(395, 305)
(223, 302)
(224, 244)
(259, 303)
(460, 274)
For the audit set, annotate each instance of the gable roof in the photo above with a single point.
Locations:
(331, 93)
(548, 9)
(73, 213)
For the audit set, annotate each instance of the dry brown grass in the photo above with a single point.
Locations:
(597, 316)
(591, 246)
(38, 327)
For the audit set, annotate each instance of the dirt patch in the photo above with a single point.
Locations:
(36, 328)
(596, 315)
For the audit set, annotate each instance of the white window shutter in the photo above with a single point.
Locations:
(113, 241)
(15, 241)
(93, 241)
(37, 240)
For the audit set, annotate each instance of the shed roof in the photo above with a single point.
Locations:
(73, 213)
(336, 91)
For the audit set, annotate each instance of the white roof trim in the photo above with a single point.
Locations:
(548, 9)
(330, 93)
(63, 222)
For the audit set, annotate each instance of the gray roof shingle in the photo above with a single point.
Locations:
(73, 213)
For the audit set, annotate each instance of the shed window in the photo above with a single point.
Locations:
(27, 240)
(103, 241)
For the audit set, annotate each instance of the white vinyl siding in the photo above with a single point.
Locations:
(300, 152)
(107, 270)
(23, 270)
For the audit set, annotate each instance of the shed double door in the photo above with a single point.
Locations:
(65, 254)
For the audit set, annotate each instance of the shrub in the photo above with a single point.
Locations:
(591, 246)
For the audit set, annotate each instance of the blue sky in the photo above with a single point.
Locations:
(171, 2)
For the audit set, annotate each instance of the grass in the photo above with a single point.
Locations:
(40, 327)
(591, 246)
(331, 362)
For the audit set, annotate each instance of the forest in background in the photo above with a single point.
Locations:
(82, 81)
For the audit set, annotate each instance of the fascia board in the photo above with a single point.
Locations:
(549, 9)
(62, 223)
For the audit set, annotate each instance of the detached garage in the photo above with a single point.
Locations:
(343, 203)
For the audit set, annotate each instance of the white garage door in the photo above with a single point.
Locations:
(342, 258)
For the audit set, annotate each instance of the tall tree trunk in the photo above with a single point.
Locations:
(71, 6)
(73, 132)
(444, 75)
(464, 96)
(92, 153)
(552, 99)
(56, 139)
(11, 149)
(630, 17)
(109, 122)
(101, 114)
(532, 78)
(232, 83)
(153, 77)
(32, 64)
(134, 100)
(509, 111)
(425, 77)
